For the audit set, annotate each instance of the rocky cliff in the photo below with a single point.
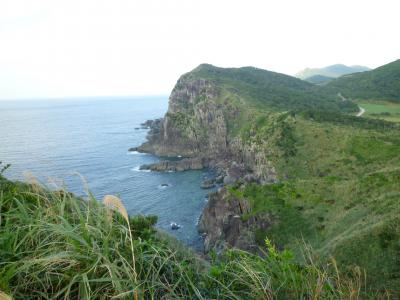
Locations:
(225, 224)
(197, 127)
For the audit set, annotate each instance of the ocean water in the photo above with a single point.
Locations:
(55, 140)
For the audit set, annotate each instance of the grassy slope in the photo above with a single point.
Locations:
(55, 246)
(339, 190)
(389, 111)
(382, 83)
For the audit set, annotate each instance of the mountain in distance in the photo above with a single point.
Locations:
(318, 79)
(333, 71)
(382, 83)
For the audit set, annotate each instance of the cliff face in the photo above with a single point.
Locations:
(225, 224)
(196, 126)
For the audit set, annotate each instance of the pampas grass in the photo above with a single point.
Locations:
(54, 245)
(116, 204)
(4, 296)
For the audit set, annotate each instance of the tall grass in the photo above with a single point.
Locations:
(56, 246)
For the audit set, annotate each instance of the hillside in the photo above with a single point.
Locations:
(382, 83)
(337, 190)
(267, 90)
(333, 71)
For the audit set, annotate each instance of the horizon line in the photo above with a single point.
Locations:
(94, 97)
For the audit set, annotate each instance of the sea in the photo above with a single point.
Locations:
(82, 144)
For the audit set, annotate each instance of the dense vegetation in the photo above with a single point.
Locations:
(56, 246)
(382, 83)
(339, 189)
(318, 79)
(272, 91)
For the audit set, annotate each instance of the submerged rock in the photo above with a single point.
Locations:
(208, 184)
(175, 226)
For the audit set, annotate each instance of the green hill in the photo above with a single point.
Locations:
(338, 189)
(382, 83)
(270, 90)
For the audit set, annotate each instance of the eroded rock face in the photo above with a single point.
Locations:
(224, 223)
(196, 126)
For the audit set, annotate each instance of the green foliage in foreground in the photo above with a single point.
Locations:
(53, 245)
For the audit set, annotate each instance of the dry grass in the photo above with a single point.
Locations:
(4, 296)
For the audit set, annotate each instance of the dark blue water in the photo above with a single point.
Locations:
(56, 139)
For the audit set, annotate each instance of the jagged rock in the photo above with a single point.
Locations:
(222, 225)
(208, 184)
(196, 126)
(219, 179)
(180, 165)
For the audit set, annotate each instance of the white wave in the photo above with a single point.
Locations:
(135, 153)
(137, 169)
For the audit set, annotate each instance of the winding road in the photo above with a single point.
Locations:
(360, 113)
(362, 110)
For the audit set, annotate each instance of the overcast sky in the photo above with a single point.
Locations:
(63, 48)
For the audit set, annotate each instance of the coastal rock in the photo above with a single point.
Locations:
(180, 165)
(225, 223)
(208, 184)
(201, 125)
(196, 127)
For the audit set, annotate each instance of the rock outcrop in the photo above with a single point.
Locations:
(196, 127)
(180, 165)
(227, 222)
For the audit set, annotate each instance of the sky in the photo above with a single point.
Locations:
(80, 48)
